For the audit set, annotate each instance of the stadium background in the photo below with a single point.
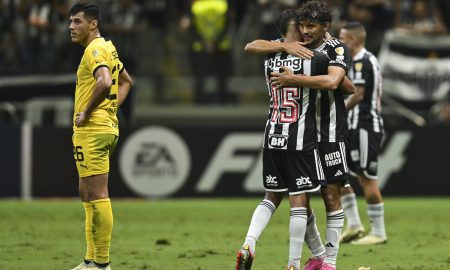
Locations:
(194, 162)
(174, 144)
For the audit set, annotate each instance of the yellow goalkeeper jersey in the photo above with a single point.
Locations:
(99, 53)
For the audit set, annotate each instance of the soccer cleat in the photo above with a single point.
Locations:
(83, 266)
(244, 258)
(93, 266)
(326, 266)
(292, 267)
(313, 264)
(369, 240)
(349, 235)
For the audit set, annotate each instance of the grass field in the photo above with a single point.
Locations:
(205, 234)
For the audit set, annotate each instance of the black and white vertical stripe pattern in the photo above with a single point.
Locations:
(331, 115)
(343, 155)
(292, 109)
(367, 114)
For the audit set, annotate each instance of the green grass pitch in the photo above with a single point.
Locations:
(204, 234)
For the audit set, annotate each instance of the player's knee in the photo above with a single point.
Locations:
(274, 197)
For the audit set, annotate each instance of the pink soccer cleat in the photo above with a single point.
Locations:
(313, 264)
(326, 266)
(244, 258)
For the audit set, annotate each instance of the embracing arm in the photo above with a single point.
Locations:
(125, 84)
(261, 46)
(331, 81)
(347, 86)
(102, 86)
(355, 99)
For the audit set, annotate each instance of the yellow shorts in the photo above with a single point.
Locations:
(91, 152)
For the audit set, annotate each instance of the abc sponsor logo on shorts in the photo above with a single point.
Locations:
(271, 180)
(333, 159)
(154, 162)
(278, 141)
(303, 181)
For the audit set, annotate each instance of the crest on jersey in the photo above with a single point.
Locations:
(339, 50)
(95, 53)
(358, 66)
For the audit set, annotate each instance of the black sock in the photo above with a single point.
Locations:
(87, 261)
(102, 265)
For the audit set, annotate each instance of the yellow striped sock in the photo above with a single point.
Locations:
(88, 227)
(102, 229)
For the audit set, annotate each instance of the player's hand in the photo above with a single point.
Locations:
(327, 37)
(298, 49)
(81, 119)
(283, 78)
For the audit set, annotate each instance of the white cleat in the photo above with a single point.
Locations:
(83, 266)
(349, 234)
(370, 240)
(95, 267)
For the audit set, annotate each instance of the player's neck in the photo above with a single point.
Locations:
(315, 45)
(95, 34)
(357, 50)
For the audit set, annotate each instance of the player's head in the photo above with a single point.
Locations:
(353, 34)
(84, 19)
(315, 20)
(287, 23)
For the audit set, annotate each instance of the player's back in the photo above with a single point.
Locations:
(99, 53)
(291, 124)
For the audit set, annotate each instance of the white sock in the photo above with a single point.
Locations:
(335, 222)
(376, 217)
(350, 207)
(312, 238)
(297, 230)
(260, 219)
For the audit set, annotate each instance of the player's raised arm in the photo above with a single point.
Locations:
(125, 84)
(261, 46)
(103, 83)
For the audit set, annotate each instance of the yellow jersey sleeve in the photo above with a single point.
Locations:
(99, 53)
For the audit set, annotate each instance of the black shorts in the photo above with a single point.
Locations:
(333, 161)
(363, 149)
(293, 171)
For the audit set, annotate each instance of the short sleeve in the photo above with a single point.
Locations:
(339, 55)
(96, 58)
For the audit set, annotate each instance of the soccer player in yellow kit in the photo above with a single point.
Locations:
(102, 86)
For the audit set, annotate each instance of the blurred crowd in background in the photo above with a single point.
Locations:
(164, 39)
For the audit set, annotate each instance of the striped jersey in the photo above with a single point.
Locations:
(365, 71)
(331, 115)
(291, 125)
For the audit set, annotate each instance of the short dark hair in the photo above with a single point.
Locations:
(283, 20)
(354, 26)
(91, 11)
(315, 11)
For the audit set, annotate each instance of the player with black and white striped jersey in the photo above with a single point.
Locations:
(290, 159)
(365, 135)
(331, 123)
